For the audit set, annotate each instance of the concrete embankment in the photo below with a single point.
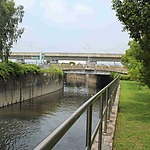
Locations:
(28, 86)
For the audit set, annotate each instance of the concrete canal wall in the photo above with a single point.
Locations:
(18, 89)
(82, 77)
(92, 79)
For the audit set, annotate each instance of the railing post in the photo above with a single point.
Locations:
(115, 91)
(109, 104)
(108, 97)
(100, 128)
(89, 127)
(106, 109)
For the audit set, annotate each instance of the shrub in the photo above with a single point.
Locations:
(54, 71)
(125, 77)
(11, 68)
(113, 75)
(31, 68)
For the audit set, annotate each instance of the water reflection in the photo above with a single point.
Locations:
(24, 125)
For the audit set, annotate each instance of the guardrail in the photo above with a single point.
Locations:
(106, 98)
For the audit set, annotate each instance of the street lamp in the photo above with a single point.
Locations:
(88, 54)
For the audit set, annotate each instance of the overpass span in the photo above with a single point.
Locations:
(89, 57)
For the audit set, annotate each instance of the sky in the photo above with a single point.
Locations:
(79, 26)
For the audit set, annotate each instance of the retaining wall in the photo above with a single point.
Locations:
(82, 77)
(20, 88)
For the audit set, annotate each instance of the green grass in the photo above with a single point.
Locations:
(133, 121)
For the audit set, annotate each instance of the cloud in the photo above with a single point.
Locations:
(28, 29)
(28, 4)
(60, 12)
(55, 6)
(83, 9)
(56, 10)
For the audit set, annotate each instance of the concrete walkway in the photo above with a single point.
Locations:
(109, 136)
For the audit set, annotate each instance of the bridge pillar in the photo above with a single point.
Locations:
(91, 62)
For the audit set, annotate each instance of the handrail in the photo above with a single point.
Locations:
(104, 112)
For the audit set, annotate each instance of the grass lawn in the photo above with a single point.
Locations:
(133, 121)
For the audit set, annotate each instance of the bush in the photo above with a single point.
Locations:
(31, 68)
(54, 71)
(4, 70)
(72, 63)
(125, 77)
(11, 68)
(113, 75)
(16, 69)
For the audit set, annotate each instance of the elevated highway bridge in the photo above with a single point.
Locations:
(88, 57)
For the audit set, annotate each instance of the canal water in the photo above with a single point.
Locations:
(24, 125)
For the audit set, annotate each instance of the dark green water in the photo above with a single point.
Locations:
(23, 126)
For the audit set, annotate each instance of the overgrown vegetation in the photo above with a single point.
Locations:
(15, 69)
(133, 121)
(113, 75)
(72, 63)
(125, 77)
(54, 71)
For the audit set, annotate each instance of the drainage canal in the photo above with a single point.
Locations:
(24, 125)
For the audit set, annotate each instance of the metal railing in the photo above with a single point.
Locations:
(106, 97)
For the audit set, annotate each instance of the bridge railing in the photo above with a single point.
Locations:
(119, 69)
(106, 98)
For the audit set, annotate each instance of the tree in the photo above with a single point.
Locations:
(10, 17)
(129, 60)
(135, 16)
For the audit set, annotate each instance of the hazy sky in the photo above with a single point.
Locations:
(71, 26)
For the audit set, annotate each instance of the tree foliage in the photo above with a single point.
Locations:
(129, 60)
(135, 16)
(10, 17)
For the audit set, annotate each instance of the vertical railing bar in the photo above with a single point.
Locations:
(100, 128)
(106, 105)
(115, 90)
(109, 107)
(109, 103)
(113, 96)
(89, 127)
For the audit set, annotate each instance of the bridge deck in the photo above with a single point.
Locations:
(92, 69)
(92, 57)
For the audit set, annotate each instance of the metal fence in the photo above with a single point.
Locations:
(106, 98)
